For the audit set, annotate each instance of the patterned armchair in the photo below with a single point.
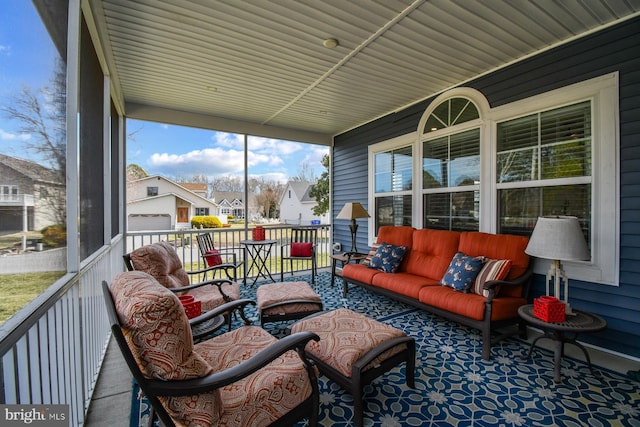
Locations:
(245, 377)
(162, 262)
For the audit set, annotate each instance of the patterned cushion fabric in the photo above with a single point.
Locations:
(301, 249)
(287, 297)
(462, 272)
(493, 269)
(387, 258)
(161, 261)
(266, 395)
(339, 346)
(371, 254)
(158, 333)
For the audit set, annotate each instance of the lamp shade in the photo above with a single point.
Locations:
(352, 211)
(558, 238)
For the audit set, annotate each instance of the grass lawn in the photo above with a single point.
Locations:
(16, 290)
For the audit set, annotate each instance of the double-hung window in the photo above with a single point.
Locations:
(544, 168)
(393, 185)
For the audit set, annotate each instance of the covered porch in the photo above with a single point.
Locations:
(349, 75)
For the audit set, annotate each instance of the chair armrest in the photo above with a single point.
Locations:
(215, 282)
(222, 378)
(221, 309)
(213, 268)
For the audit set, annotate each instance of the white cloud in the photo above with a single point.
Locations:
(11, 136)
(210, 161)
(5, 50)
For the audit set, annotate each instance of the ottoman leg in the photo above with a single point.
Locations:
(410, 373)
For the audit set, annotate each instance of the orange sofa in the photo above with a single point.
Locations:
(429, 253)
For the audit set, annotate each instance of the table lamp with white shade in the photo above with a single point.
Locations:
(353, 211)
(558, 238)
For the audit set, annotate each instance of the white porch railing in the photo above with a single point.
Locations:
(228, 239)
(52, 350)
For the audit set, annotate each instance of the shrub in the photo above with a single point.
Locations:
(205, 222)
(54, 236)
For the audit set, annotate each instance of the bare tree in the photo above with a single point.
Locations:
(268, 194)
(42, 115)
(305, 173)
(227, 183)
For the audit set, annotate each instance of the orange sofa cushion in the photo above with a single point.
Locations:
(403, 283)
(431, 253)
(470, 305)
(497, 246)
(360, 272)
(400, 235)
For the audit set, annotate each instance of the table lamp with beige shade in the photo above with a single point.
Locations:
(558, 238)
(353, 211)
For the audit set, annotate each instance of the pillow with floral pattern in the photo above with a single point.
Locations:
(462, 271)
(387, 258)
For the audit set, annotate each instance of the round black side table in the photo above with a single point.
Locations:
(563, 332)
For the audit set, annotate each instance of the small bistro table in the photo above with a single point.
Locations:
(563, 332)
(343, 258)
(258, 252)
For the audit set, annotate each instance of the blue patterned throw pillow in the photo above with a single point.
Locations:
(387, 258)
(461, 273)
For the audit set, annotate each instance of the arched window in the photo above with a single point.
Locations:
(450, 136)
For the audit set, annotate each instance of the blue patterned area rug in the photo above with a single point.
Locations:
(454, 386)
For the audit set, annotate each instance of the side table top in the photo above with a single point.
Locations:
(257, 242)
(581, 321)
(346, 256)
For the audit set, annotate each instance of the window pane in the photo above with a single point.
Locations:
(452, 211)
(393, 170)
(566, 142)
(450, 113)
(434, 163)
(393, 210)
(452, 161)
(402, 169)
(383, 168)
(518, 149)
(465, 158)
(551, 144)
(520, 208)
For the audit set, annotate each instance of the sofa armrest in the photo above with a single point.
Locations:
(524, 281)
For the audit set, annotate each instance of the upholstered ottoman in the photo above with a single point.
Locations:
(286, 301)
(354, 350)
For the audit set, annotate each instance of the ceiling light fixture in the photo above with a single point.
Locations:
(330, 43)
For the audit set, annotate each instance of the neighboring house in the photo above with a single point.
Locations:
(230, 203)
(157, 203)
(196, 187)
(296, 206)
(30, 195)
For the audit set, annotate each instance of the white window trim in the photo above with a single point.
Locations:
(603, 93)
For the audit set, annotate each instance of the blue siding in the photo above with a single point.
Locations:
(613, 49)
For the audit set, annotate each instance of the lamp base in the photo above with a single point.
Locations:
(354, 228)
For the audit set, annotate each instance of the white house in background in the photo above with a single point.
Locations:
(230, 203)
(157, 203)
(296, 206)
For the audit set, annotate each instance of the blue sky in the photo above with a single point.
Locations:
(27, 57)
(180, 151)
